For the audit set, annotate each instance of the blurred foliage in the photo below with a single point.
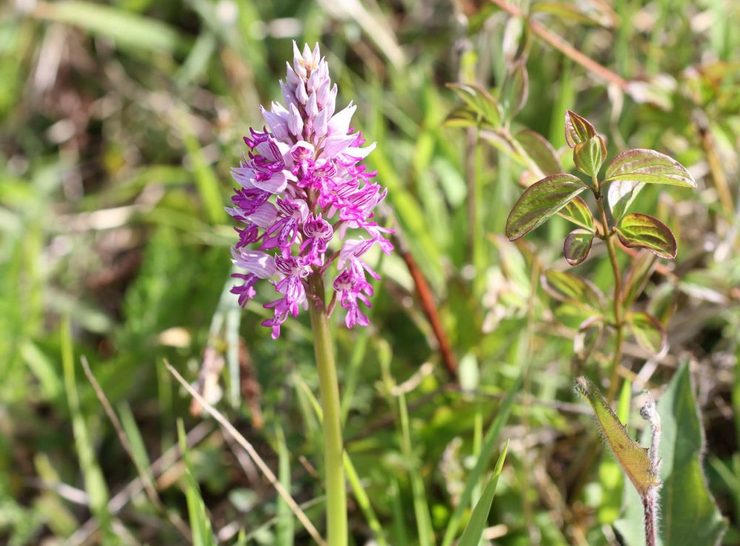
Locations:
(119, 124)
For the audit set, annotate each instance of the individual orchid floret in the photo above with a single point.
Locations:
(305, 201)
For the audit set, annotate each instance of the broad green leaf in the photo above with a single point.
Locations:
(540, 201)
(479, 518)
(643, 231)
(648, 331)
(567, 287)
(123, 27)
(621, 195)
(639, 273)
(590, 155)
(480, 101)
(540, 151)
(689, 515)
(631, 456)
(481, 464)
(577, 211)
(649, 167)
(577, 129)
(577, 245)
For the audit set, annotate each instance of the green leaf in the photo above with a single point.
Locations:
(689, 515)
(125, 28)
(480, 102)
(632, 457)
(649, 167)
(484, 458)
(540, 201)
(577, 129)
(462, 116)
(540, 151)
(577, 211)
(621, 195)
(643, 231)
(648, 331)
(567, 287)
(577, 245)
(479, 518)
(590, 155)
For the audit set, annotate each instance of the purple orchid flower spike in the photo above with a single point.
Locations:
(305, 201)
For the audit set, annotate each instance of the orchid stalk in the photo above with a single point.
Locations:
(305, 203)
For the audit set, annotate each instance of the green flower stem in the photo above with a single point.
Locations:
(617, 295)
(336, 496)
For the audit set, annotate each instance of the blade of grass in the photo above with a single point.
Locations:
(94, 482)
(285, 525)
(200, 524)
(421, 504)
(126, 28)
(205, 178)
(478, 520)
(489, 442)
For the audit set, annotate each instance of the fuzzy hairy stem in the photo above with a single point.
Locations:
(336, 495)
(649, 412)
(650, 507)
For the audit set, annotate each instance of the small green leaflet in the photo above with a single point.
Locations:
(540, 201)
(643, 231)
(650, 167)
(577, 129)
(577, 245)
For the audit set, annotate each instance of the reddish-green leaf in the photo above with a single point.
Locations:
(567, 287)
(577, 129)
(649, 167)
(540, 201)
(643, 231)
(462, 116)
(515, 89)
(480, 102)
(577, 211)
(577, 245)
(648, 332)
(631, 456)
(590, 155)
(540, 150)
(620, 196)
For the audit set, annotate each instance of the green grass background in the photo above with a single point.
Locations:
(120, 122)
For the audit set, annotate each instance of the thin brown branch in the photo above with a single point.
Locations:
(428, 306)
(564, 47)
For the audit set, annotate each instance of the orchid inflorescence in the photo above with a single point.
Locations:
(306, 200)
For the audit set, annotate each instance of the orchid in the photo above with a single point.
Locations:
(306, 201)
